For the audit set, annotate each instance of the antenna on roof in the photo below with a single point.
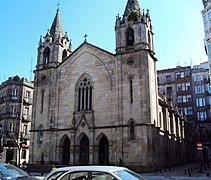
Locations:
(31, 70)
(178, 64)
(191, 62)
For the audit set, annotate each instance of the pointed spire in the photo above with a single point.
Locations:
(56, 28)
(40, 42)
(132, 5)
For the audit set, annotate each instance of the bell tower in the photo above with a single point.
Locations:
(55, 47)
(134, 29)
(136, 63)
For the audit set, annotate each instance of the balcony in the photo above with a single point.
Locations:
(8, 115)
(26, 118)
(27, 101)
(12, 98)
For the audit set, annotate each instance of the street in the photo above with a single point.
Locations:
(179, 173)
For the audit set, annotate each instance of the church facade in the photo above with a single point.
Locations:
(94, 107)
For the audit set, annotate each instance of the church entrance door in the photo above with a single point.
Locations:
(103, 151)
(66, 151)
(84, 151)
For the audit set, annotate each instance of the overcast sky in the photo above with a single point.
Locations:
(177, 26)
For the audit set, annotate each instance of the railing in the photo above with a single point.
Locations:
(27, 100)
(8, 115)
(26, 118)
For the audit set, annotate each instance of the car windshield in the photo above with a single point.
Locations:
(125, 175)
(12, 171)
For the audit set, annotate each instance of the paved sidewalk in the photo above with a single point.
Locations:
(185, 172)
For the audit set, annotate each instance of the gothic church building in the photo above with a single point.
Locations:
(94, 107)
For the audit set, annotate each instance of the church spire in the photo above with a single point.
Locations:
(56, 28)
(132, 5)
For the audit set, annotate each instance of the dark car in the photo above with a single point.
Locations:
(11, 172)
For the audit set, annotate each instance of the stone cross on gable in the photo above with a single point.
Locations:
(85, 36)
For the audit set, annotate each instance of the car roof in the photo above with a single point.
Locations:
(91, 168)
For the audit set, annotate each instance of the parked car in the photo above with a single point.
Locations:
(11, 172)
(93, 173)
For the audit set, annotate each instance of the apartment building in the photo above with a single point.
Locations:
(206, 14)
(190, 90)
(175, 83)
(15, 119)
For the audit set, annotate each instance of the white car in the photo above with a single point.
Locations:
(93, 173)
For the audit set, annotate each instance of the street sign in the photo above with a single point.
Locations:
(199, 146)
(116, 148)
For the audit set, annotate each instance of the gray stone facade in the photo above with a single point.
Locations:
(95, 107)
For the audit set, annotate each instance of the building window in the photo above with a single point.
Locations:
(149, 40)
(168, 78)
(198, 78)
(187, 86)
(64, 55)
(14, 93)
(13, 108)
(202, 116)
(40, 134)
(169, 90)
(28, 95)
(179, 87)
(187, 73)
(131, 88)
(42, 100)
(180, 75)
(12, 128)
(189, 98)
(189, 111)
(25, 129)
(84, 94)
(130, 37)
(26, 111)
(179, 99)
(200, 102)
(132, 130)
(46, 56)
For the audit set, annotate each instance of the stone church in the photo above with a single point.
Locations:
(94, 107)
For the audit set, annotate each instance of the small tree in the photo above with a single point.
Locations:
(134, 15)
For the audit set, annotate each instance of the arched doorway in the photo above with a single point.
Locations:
(66, 151)
(84, 151)
(103, 151)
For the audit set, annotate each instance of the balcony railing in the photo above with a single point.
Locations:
(9, 115)
(26, 118)
(27, 100)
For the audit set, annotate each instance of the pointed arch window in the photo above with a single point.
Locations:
(130, 37)
(132, 130)
(42, 100)
(46, 55)
(131, 87)
(64, 55)
(40, 135)
(149, 40)
(84, 90)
